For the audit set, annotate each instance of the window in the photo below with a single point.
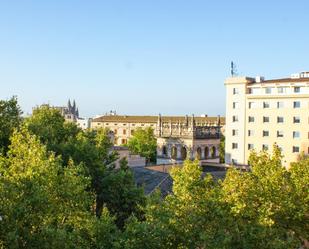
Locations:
(124, 124)
(280, 119)
(115, 131)
(281, 89)
(268, 90)
(115, 124)
(235, 118)
(296, 104)
(235, 105)
(107, 124)
(280, 104)
(296, 89)
(296, 120)
(124, 132)
(235, 91)
(123, 141)
(234, 145)
(279, 133)
(265, 104)
(251, 119)
(265, 147)
(132, 132)
(235, 132)
(296, 134)
(250, 133)
(250, 146)
(265, 133)
(252, 105)
(133, 124)
(254, 90)
(265, 119)
(295, 149)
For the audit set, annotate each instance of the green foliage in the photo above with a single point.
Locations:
(10, 118)
(55, 177)
(120, 194)
(44, 205)
(90, 149)
(49, 125)
(222, 149)
(267, 208)
(144, 143)
(264, 208)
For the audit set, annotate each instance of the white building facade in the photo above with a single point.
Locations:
(261, 113)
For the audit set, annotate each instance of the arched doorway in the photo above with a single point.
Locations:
(174, 153)
(164, 151)
(199, 153)
(183, 153)
(206, 152)
(213, 152)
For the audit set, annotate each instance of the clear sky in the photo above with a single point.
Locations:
(147, 56)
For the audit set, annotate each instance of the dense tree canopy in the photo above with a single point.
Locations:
(59, 188)
(144, 143)
(10, 118)
(265, 208)
(44, 205)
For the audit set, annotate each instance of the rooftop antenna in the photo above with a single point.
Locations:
(233, 69)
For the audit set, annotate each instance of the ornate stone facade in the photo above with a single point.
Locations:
(186, 138)
(178, 137)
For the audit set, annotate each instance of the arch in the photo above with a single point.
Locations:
(206, 152)
(213, 152)
(164, 151)
(183, 153)
(174, 153)
(199, 153)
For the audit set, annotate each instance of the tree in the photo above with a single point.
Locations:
(121, 195)
(50, 126)
(144, 143)
(222, 149)
(10, 118)
(268, 209)
(43, 204)
(90, 149)
(189, 218)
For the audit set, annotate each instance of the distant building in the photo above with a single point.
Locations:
(260, 113)
(133, 160)
(70, 112)
(178, 137)
(83, 123)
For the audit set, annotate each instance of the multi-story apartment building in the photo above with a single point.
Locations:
(260, 113)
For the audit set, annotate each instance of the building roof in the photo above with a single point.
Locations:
(154, 119)
(286, 80)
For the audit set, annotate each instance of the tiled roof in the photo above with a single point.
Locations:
(154, 119)
(152, 179)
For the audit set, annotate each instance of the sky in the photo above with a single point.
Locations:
(147, 56)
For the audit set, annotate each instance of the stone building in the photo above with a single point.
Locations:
(178, 137)
(69, 112)
(184, 137)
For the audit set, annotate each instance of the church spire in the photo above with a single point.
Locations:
(69, 105)
(74, 106)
